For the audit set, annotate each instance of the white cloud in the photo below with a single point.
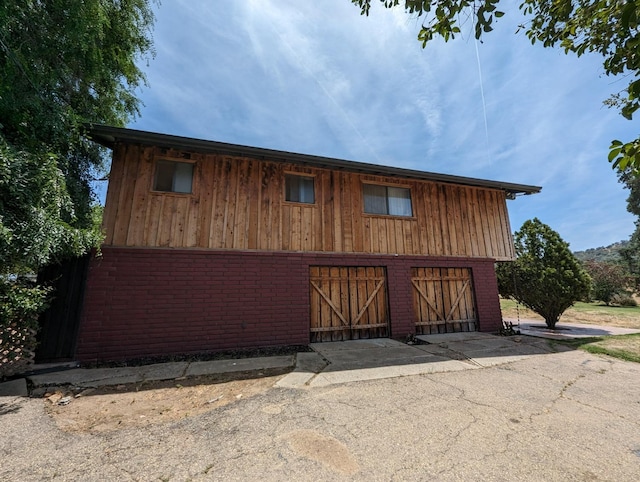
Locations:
(316, 77)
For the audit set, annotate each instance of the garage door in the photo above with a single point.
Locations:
(443, 300)
(348, 303)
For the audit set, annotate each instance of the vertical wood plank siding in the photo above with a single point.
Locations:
(238, 203)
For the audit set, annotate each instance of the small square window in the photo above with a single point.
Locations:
(299, 189)
(172, 176)
(388, 200)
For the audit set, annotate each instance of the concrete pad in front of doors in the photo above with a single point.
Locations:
(357, 360)
(484, 349)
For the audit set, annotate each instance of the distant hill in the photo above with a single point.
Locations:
(609, 253)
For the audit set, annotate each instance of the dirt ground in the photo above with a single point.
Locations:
(106, 410)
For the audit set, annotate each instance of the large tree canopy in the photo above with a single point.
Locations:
(607, 27)
(63, 64)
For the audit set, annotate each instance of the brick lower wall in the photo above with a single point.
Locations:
(153, 302)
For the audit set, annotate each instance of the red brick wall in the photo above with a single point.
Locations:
(149, 302)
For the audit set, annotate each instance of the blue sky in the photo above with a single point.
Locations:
(319, 78)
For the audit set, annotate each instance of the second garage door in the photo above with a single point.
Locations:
(443, 300)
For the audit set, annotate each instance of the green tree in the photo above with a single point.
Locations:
(606, 27)
(630, 254)
(545, 277)
(34, 209)
(63, 64)
(607, 280)
(631, 258)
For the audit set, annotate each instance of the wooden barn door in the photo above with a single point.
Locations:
(348, 303)
(443, 300)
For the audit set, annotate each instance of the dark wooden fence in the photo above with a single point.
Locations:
(59, 323)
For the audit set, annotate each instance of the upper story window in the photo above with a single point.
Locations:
(173, 176)
(389, 200)
(299, 189)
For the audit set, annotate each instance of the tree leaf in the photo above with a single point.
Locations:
(613, 153)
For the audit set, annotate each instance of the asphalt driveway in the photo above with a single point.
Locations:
(564, 416)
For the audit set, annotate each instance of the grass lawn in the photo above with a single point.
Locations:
(626, 347)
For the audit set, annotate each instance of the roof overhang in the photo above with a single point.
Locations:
(109, 136)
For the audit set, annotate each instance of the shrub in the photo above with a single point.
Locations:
(545, 277)
(624, 300)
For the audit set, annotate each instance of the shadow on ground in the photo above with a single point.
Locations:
(357, 360)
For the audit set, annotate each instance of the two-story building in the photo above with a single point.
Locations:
(212, 246)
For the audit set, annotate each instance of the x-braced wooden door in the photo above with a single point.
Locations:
(348, 303)
(443, 300)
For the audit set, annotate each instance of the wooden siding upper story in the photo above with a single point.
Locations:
(238, 203)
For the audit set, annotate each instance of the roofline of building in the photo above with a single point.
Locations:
(108, 136)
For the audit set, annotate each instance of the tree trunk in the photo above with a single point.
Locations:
(551, 322)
